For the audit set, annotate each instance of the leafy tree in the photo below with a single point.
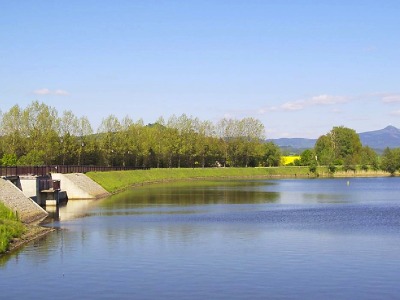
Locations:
(369, 158)
(307, 157)
(346, 144)
(13, 132)
(391, 160)
(42, 125)
(9, 160)
(340, 146)
(88, 148)
(33, 158)
(205, 135)
(324, 150)
(272, 155)
(241, 140)
(68, 130)
(110, 141)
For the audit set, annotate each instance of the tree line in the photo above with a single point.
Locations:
(39, 135)
(342, 147)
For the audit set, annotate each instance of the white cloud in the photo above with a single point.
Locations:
(326, 100)
(46, 91)
(313, 101)
(61, 92)
(391, 98)
(337, 111)
(296, 105)
(395, 113)
(42, 92)
(264, 110)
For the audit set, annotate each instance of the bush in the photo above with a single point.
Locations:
(313, 168)
(332, 168)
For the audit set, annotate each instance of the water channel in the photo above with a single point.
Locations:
(227, 239)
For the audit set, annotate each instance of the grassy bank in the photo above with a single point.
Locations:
(10, 228)
(119, 180)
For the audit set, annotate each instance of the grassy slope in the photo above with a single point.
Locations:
(119, 180)
(10, 227)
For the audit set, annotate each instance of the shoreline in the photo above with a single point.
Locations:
(119, 181)
(33, 232)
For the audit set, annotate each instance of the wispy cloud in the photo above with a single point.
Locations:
(61, 92)
(46, 91)
(295, 105)
(391, 98)
(319, 100)
(314, 101)
(327, 100)
(264, 110)
(42, 92)
(395, 113)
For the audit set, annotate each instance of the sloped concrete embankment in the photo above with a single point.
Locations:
(27, 210)
(79, 186)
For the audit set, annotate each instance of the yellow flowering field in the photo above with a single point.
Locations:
(286, 160)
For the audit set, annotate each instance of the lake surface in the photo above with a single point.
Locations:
(234, 239)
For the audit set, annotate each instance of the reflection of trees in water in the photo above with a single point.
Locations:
(194, 193)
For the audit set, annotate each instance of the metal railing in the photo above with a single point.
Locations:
(64, 169)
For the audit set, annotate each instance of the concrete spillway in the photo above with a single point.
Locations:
(79, 186)
(27, 210)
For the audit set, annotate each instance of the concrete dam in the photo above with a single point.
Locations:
(27, 195)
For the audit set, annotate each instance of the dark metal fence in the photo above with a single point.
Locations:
(44, 170)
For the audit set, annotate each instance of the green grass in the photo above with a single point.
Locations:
(119, 180)
(10, 227)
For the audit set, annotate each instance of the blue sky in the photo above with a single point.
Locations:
(301, 67)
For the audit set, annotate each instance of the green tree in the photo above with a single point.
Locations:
(42, 125)
(88, 152)
(68, 132)
(324, 150)
(32, 158)
(369, 158)
(341, 146)
(272, 155)
(390, 160)
(346, 144)
(13, 132)
(307, 157)
(109, 139)
(9, 160)
(206, 134)
(242, 140)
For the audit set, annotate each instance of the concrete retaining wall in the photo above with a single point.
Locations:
(28, 211)
(79, 186)
(28, 185)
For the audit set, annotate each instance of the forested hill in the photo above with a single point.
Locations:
(378, 140)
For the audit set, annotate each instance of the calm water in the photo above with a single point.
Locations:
(248, 239)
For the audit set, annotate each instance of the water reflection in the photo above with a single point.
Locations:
(194, 193)
(73, 209)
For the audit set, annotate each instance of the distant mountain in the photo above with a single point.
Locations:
(377, 140)
(296, 143)
(380, 139)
